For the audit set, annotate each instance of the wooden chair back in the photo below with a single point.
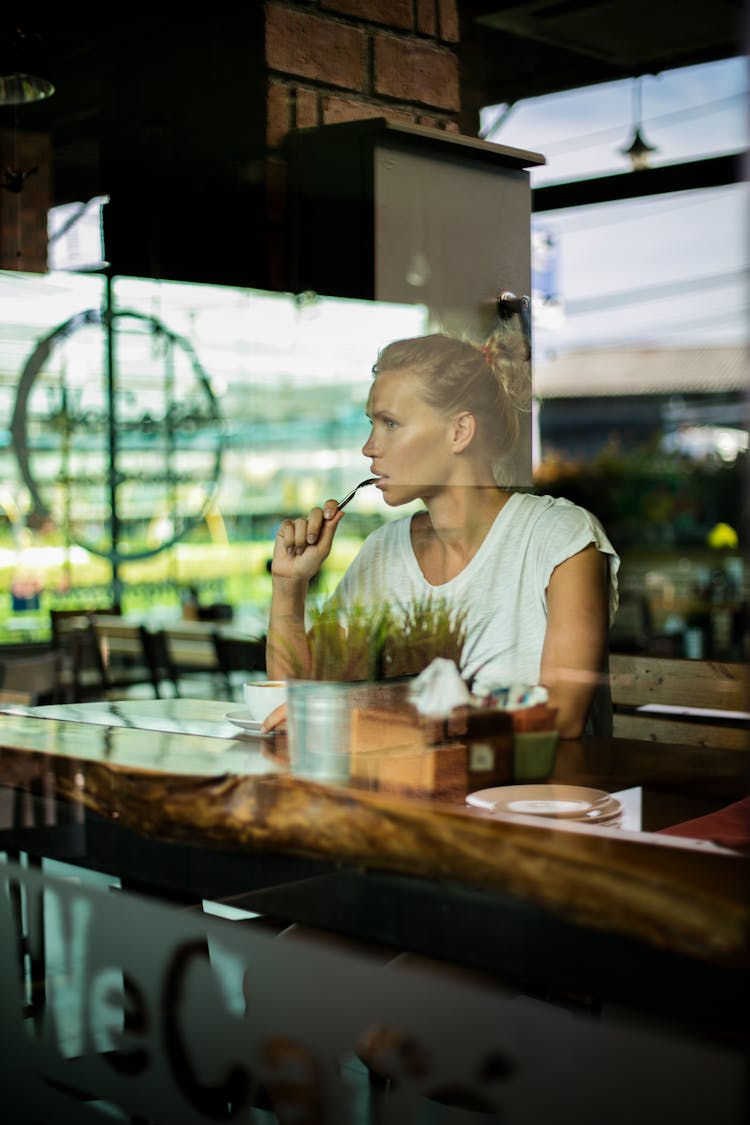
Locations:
(670, 699)
(23, 697)
(238, 658)
(124, 654)
(217, 611)
(72, 635)
(190, 649)
(184, 652)
(38, 677)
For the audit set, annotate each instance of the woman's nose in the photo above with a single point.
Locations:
(369, 446)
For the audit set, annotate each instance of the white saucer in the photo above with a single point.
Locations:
(252, 726)
(562, 802)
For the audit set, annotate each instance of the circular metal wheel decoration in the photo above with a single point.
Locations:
(144, 444)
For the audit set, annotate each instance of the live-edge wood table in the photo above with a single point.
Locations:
(632, 916)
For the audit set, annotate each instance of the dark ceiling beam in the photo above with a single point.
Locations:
(529, 48)
(714, 171)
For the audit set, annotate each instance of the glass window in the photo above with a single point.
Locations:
(640, 320)
(203, 414)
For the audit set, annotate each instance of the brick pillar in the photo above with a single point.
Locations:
(329, 61)
(23, 214)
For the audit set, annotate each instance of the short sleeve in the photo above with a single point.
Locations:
(564, 529)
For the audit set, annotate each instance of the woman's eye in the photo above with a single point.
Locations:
(389, 423)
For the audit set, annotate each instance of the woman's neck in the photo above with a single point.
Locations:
(448, 535)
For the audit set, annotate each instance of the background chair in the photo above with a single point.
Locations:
(23, 697)
(217, 611)
(238, 658)
(38, 677)
(181, 653)
(124, 653)
(72, 636)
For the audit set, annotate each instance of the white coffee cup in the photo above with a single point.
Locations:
(263, 696)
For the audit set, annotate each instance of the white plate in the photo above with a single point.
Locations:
(566, 802)
(252, 726)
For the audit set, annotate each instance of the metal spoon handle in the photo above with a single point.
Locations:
(349, 495)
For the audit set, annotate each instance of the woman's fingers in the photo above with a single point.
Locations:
(302, 532)
(318, 520)
(305, 531)
(332, 517)
(300, 535)
(314, 524)
(276, 719)
(303, 544)
(285, 535)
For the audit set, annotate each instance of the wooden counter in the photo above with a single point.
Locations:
(237, 795)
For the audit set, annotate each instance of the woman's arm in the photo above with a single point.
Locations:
(576, 638)
(300, 549)
(287, 650)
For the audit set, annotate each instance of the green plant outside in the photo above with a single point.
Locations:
(229, 572)
(648, 497)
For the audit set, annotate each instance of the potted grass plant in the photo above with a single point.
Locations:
(384, 643)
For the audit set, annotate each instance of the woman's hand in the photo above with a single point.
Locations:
(274, 720)
(303, 545)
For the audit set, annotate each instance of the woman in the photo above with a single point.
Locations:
(536, 577)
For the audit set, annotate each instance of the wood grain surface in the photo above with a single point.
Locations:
(674, 894)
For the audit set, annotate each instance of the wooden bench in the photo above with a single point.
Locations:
(668, 699)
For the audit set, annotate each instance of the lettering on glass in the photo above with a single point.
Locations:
(182, 1017)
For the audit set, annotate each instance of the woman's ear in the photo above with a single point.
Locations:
(464, 430)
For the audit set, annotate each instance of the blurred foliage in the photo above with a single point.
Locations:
(647, 496)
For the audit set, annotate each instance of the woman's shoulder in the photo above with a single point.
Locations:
(542, 506)
(533, 506)
(559, 519)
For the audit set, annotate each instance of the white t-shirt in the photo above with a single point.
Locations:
(502, 590)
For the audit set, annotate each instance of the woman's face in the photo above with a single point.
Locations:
(409, 443)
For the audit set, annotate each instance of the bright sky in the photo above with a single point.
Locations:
(667, 270)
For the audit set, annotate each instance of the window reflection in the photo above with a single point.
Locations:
(232, 408)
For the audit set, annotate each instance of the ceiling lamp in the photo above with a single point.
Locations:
(638, 150)
(21, 68)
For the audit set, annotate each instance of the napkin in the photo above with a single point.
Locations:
(439, 689)
(447, 710)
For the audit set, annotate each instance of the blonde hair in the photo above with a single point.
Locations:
(492, 380)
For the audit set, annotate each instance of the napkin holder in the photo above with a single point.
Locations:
(474, 747)
(505, 745)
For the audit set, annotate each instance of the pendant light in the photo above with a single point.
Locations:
(638, 150)
(22, 69)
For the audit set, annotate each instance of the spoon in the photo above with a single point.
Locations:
(349, 495)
